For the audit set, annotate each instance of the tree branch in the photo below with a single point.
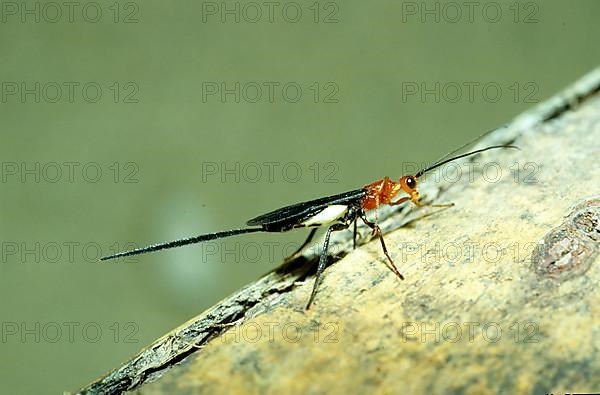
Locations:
(501, 291)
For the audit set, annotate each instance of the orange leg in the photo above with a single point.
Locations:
(419, 204)
(377, 231)
(399, 201)
(376, 215)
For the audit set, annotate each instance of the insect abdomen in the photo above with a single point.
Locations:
(329, 214)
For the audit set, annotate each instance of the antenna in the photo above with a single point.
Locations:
(438, 163)
(441, 161)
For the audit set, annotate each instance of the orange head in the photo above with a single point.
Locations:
(409, 185)
(383, 191)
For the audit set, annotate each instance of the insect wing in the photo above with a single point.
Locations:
(296, 213)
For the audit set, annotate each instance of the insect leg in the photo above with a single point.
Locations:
(419, 204)
(323, 259)
(376, 215)
(354, 235)
(399, 201)
(308, 240)
(377, 231)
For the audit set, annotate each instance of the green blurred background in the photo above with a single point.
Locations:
(157, 134)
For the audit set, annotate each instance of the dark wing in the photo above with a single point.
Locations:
(298, 212)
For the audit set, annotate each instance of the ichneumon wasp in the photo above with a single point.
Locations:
(338, 211)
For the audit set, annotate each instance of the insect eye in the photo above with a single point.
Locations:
(410, 182)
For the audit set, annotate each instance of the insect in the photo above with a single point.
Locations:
(338, 211)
